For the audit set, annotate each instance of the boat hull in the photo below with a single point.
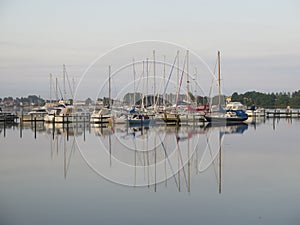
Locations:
(66, 119)
(230, 117)
(140, 122)
(219, 120)
(100, 119)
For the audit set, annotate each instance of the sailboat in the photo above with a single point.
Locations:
(225, 116)
(103, 115)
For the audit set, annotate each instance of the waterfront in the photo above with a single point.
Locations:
(51, 179)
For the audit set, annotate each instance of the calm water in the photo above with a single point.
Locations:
(245, 174)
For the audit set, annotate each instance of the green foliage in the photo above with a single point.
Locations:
(270, 100)
(30, 100)
(192, 97)
(215, 100)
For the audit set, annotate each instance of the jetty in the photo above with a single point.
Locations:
(277, 113)
(8, 117)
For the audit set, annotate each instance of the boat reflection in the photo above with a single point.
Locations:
(238, 128)
(151, 156)
(213, 151)
(158, 154)
(63, 143)
(255, 121)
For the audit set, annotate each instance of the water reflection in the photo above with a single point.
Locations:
(251, 167)
(139, 156)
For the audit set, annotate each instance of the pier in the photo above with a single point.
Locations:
(277, 113)
(8, 117)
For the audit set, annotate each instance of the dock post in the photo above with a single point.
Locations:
(4, 128)
(84, 128)
(35, 128)
(67, 127)
(53, 126)
(21, 126)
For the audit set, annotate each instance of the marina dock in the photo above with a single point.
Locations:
(277, 113)
(8, 117)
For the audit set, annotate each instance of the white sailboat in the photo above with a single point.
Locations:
(64, 111)
(224, 116)
(103, 115)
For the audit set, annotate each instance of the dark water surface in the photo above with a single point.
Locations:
(65, 177)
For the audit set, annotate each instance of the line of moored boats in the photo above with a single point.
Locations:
(64, 112)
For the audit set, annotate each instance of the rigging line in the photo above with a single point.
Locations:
(72, 150)
(213, 159)
(170, 165)
(60, 140)
(210, 91)
(211, 156)
(61, 94)
(212, 82)
(158, 95)
(72, 94)
(53, 88)
(141, 77)
(183, 170)
(170, 74)
(181, 79)
(215, 66)
(140, 160)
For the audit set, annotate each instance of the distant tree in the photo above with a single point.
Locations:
(192, 97)
(282, 100)
(235, 97)
(215, 100)
(295, 99)
(202, 100)
(88, 101)
(106, 101)
(8, 98)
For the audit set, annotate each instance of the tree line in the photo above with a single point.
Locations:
(18, 101)
(269, 100)
(265, 100)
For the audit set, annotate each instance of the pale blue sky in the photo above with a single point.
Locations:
(259, 40)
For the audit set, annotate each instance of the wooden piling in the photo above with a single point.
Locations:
(35, 128)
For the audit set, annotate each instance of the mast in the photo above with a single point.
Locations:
(142, 104)
(177, 81)
(64, 81)
(109, 87)
(220, 164)
(155, 164)
(196, 103)
(147, 74)
(56, 89)
(189, 167)
(50, 88)
(110, 149)
(164, 97)
(154, 87)
(187, 77)
(73, 87)
(219, 81)
(134, 74)
(178, 173)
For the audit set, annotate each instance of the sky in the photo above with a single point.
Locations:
(259, 40)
